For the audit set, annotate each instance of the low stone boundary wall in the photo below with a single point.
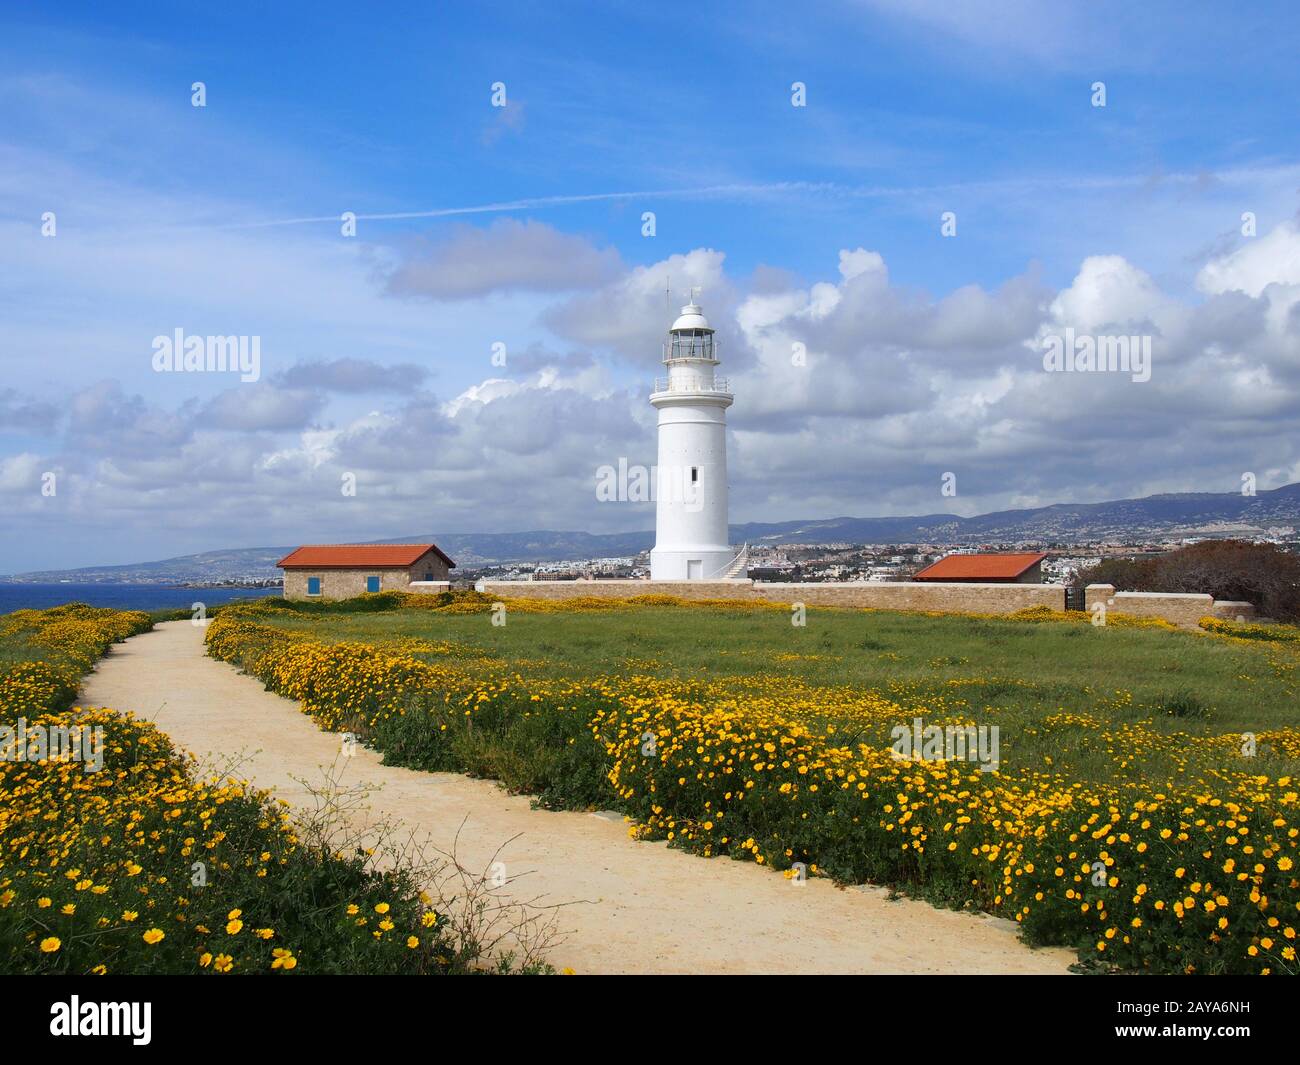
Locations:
(740, 588)
(958, 598)
(429, 587)
(1233, 610)
(928, 595)
(1180, 608)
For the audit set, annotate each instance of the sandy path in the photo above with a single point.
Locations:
(638, 907)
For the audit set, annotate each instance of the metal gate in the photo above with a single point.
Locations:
(1074, 599)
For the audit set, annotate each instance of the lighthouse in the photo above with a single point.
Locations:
(691, 538)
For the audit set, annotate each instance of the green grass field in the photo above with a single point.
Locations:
(1011, 673)
(1182, 678)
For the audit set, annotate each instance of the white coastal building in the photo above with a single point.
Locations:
(691, 537)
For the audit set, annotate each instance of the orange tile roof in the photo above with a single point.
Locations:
(980, 567)
(359, 556)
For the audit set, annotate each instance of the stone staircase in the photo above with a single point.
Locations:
(738, 564)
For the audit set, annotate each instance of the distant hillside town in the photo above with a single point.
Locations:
(838, 561)
(800, 562)
(835, 549)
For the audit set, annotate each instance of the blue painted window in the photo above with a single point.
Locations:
(313, 586)
(372, 584)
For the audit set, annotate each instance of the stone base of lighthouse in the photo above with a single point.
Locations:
(707, 562)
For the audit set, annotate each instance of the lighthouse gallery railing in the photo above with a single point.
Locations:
(691, 384)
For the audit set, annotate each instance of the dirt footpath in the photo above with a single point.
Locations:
(637, 907)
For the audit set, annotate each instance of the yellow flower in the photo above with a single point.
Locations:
(233, 927)
(381, 907)
(50, 944)
(412, 942)
(154, 935)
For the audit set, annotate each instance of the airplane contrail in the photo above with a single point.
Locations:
(1003, 187)
(536, 202)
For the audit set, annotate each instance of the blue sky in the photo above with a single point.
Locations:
(1126, 217)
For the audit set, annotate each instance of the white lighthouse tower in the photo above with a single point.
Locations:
(691, 539)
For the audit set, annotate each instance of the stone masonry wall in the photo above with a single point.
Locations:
(963, 598)
(346, 583)
(960, 598)
(1180, 608)
(957, 598)
(619, 589)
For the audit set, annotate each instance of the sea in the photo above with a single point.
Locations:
(19, 596)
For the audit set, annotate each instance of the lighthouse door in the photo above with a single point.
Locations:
(694, 569)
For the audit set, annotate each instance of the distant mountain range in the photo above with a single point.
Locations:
(1269, 513)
